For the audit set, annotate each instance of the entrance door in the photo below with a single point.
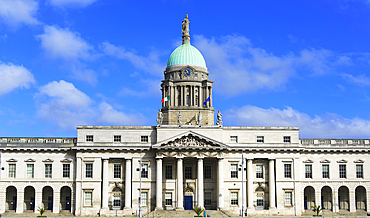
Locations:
(50, 203)
(14, 203)
(305, 202)
(68, 203)
(188, 202)
(32, 203)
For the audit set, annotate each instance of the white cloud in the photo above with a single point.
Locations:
(72, 3)
(361, 80)
(13, 76)
(15, 12)
(329, 125)
(109, 115)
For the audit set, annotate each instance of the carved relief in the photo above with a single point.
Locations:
(189, 141)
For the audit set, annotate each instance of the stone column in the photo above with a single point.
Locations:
(352, 201)
(128, 184)
(250, 183)
(220, 184)
(38, 200)
(159, 185)
(335, 200)
(272, 183)
(200, 183)
(56, 201)
(183, 95)
(210, 94)
(206, 95)
(191, 89)
(200, 96)
(105, 184)
(20, 200)
(180, 191)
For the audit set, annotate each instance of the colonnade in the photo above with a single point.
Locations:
(178, 95)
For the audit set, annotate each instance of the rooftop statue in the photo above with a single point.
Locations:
(185, 26)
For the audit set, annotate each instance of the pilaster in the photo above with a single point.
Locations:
(250, 183)
(220, 184)
(272, 191)
(105, 184)
(159, 185)
(180, 185)
(200, 183)
(56, 201)
(128, 184)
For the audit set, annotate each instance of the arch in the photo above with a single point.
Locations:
(309, 197)
(66, 198)
(11, 198)
(360, 198)
(326, 198)
(343, 198)
(29, 198)
(47, 197)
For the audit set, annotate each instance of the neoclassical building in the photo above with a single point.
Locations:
(189, 159)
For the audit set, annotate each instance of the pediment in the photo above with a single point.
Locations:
(48, 160)
(190, 140)
(308, 161)
(359, 161)
(342, 161)
(30, 160)
(66, 160)
(325, 161)
(11, 160)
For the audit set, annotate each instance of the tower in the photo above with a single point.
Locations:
(186, 87)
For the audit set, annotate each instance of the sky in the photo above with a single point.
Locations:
(282, 63)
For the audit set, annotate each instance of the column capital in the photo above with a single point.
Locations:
(128, 159)
(105, 158)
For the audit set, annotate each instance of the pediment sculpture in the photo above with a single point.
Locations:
(188, 141)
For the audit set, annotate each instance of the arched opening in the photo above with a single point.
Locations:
(326, 198)
(309, 197)
(11, 198)
(47, 198)
(29, 198)
(343, 198)
(65, 198)
(116, 201)
(360, 198)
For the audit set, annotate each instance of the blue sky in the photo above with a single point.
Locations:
(65, 63)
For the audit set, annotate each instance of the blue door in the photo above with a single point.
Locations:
(188, 202)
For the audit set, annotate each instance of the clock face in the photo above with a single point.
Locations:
(187, 71)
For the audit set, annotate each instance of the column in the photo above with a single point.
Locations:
(183, 95)
(180, 191)
(250, 184)
(272, 183)
(159, 185)
(191, 88)
(20, 200)
(210, 94)
(200, 183)
(128, 184)
(352, 201)
(200, 96)
(38, 200)
(206, 95)
(335, 200)
(105, 184)
(220, 184)
(56, 201)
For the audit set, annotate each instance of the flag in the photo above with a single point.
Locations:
(165, 99)
(207, 100)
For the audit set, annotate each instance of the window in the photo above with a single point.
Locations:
(89, 138)
(168, 199)
(207, 199)
(288, 198)
(66, 170)
(117, 138)
(259, 171)
(144, 199)
(11, 170)
(168, 172)
(339, 142)
(359, 171)
(325, 171)
(88, 198)
(188, 172)
(260, 139)
(342, 171)
(233, 139)
(117, 171)
(259, 200)
(144, 139)
(234, 170)
(30, 170)
(144, 171)
(117, 201)
(234, 198)
(308, 171)
(207, 172)
(286, 139)
(287, 170)
(89, 170)
(48, 170)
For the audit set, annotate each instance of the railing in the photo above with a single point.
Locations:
(39, 140)
(335, 142)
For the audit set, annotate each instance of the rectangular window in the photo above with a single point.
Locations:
(89, 170)
(117, 138)
(188, 172)
(207, 199)
(342, 171)
(30, 168)
(66, 170)
(144, 171)
(287, 170)
(11, 170)
(288, 198)
(286, 139)
(117, 171)
(89, 138)
(260, 139)
(259, 200)
(144, 139)
(144, 199)
(233, 139)
(48, 170)
(234, 198)
(359, 171)
(308, 171)
(117, 201)
(234, 170)
(207, 172)
(168, 172)
(259, 171)
(325, 171)
(88, 199)
(168, 199)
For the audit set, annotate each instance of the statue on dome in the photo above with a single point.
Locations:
(179, 119)
(200, 119)
(219, 119)
(185, 26)
(160, 118)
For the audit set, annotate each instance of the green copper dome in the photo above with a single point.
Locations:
(186, 54)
